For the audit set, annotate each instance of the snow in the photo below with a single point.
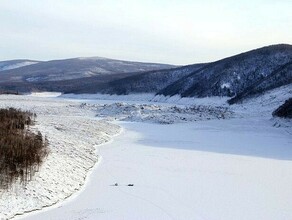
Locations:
(73, 134)
(34, 79)
(265, 104)
(231, 169)
(177, 99)
(92, 58)
(151, 108)
(17, 65)
(149, 97)
(164, 114)
(98, 96)
(225, 85)
(45, 94)
(236, 168)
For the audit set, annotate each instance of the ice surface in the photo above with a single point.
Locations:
(222, 169)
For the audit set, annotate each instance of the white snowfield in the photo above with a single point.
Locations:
(209, 167)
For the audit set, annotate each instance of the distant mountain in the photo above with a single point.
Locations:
(58, 70)
(13, 64)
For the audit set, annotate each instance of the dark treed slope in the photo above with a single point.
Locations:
(81, 85)
(279, 77)
(149, 82)
(244, 74)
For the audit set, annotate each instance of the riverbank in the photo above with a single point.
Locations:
(73, 135)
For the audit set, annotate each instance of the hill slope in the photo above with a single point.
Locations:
(238, 76)
(57, 70)
(14, 64)
(149, 82)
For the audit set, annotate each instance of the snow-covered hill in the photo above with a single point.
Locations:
(14, 64)
(237, 77)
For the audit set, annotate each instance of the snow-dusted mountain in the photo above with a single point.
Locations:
(238, 76)
(14, 64)
(279, 77)
(76, 68)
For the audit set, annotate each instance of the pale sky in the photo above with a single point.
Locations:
(166, 31)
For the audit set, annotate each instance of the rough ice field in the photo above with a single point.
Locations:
(158, 113)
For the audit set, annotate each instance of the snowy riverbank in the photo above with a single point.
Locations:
(73, 135)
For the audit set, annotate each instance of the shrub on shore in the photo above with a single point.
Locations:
(7, 92)
(285, 110)
(21, 150)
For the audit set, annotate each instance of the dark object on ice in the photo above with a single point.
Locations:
(130, 184)
(116, 184)
(285, 110)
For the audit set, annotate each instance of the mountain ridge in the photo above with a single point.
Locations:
(74, 68)
(238, 77)
(232, 76)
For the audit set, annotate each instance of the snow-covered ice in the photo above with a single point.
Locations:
(236, 168)
(233, 169)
